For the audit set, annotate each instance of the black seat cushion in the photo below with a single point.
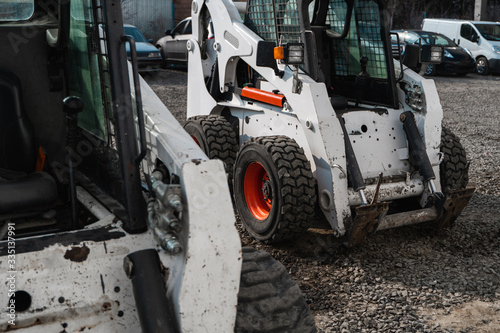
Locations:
(21, 189)
(21, 192)
(17, 143)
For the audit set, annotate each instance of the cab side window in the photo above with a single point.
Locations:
(467, 32)
(179, 29)
(188, 29)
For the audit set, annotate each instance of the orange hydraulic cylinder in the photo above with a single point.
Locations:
(263, 96)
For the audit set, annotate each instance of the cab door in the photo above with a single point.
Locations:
(176, 48)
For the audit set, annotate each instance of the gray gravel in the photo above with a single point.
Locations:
(408, 279)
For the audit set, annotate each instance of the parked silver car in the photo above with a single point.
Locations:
(173, 46)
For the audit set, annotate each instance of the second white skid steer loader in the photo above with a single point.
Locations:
(306, 107)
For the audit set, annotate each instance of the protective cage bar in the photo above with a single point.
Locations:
(113, 165)
(364, 38)
(274, 20)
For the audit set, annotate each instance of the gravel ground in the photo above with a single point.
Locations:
(407, 279)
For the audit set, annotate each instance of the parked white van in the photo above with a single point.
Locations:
(481, 38)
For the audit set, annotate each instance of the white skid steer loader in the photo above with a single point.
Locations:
(304, 104)
(111, 218)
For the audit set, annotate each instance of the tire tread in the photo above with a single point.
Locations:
(275, 303)
(221, 140)
(298, 191)
(454, 168)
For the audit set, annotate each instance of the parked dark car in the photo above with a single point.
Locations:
(148, 56)
(456, 60)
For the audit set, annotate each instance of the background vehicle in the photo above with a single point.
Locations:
(148, 57)
(86, 244)
(173, 46)
(482, 39)
(456, 60)
(331, 124)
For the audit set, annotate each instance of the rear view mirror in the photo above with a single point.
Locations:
(168, 32)
(474, 38)
(265, 56)
(411, 55)
(150, 41)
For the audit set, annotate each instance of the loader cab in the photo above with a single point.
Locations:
(347, 44)
(67, 112)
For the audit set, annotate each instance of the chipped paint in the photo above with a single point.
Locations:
(77, 254)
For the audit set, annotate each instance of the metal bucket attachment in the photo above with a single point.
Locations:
(366, 221)
(454, 204)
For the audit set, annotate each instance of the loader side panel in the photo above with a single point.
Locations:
(379, 142)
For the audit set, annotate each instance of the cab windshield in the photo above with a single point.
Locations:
(337, 48)
(489, 31)
(364, 38)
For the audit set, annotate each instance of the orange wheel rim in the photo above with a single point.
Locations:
(258, 191)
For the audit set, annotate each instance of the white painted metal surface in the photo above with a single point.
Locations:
(211, 264)
(204, 279)
(77, 285)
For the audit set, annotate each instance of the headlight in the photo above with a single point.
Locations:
(447, 54)
(154, 54)
(496, 49)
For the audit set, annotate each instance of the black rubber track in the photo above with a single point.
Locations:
(218, 140)
(454, 168)
(269, 300)
(296, 205)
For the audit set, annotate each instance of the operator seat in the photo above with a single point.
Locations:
(22, 189)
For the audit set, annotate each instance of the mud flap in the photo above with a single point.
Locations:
(366, 221)
(454, 203)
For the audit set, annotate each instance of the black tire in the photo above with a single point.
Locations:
(216, 138)
(453, 170)
(482, 66)
(266, 166)
(269, 300)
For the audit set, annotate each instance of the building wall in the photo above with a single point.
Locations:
(152, 17)
(182, 9)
